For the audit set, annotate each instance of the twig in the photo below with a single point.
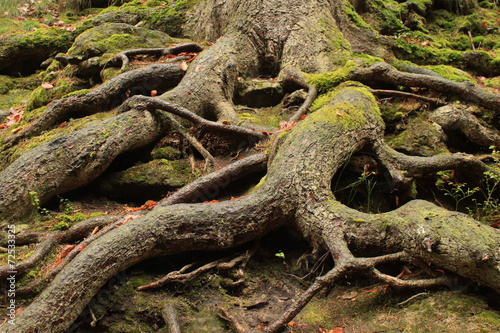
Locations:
(413, 297)
(210, 161)
(433, 101)
(170, 316)
(227, 317)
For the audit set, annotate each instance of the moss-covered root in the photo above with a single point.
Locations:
(105, 97)
(384, 73)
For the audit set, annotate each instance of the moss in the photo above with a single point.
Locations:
(326, 81)
(451, 73)
(116, 37)
(78, 93)
(168, 153)
(41, 96)
(419, 138)
(365, 60)
(55, 39)
(354, 16)
(6, 84)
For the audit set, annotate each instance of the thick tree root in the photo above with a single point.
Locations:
(384, 73)
(455, 118)
(124, 57)
(151, 104)
(103, 98)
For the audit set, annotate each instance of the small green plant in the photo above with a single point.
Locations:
(457, 191)
(35, 199)
(67, 205)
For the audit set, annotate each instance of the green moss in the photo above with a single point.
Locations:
(61, 226)
(354, 16)
(116, 37)
(326, 81)
(451, 73)
(168, 153)
(6, 84)
(56, 39)
(78, 93)
(41, 96)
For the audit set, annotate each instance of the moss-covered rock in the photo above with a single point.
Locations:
(116, 37)
(259, 93)
(153, 180)
(42, 96)
(22, 53)
(421, 138)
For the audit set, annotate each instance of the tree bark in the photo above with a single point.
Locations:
(311, 153)
(270, 38)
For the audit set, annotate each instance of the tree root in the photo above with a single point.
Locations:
(170, 316)
(49, 240)
(433, 101)
(456, 118)
(208, 187)
(230, 319)
(180, 275)
(105, 97)
(296, 191)
(384, 73)
(124, 57)
(151, 104)
(210, 162)
(295, 78)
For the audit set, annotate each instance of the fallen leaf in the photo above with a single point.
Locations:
(184, 66)
(47, 85)
(304, 116)
(154, 93)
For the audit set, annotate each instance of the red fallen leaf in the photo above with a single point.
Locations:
(154, 93)
(212, 201)
(82, 247)
(64, 123)
(291, 324)
(47, 85)
(225, 122)
(304, 116)
(287, 125)
(184, 66)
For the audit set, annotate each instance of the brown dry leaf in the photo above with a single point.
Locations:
(47, 85)
(16, 114)
(184, 66)
(154, 93)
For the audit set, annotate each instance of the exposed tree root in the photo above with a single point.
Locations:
(170, 316)
(455, 118)
(210, 162)
(294, 78)
(433, 101)
(151, 104)
(124, 57)
(180, 275)
(103, 98)
(384, 73)
(208, 187)
(229, 318)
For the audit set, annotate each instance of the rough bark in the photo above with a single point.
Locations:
(71, 161)
(312, 152)
(263, 38)
(109, 95)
